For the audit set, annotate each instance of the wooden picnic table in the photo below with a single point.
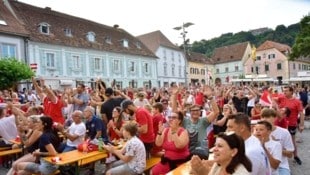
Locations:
(76, 157)
(15, 141)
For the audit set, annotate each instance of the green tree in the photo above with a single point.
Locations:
(12, 71)
(301, 48)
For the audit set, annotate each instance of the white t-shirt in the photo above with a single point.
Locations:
(76, 129)
(139, 103)
(258, 157)
(8, 129)
(284, 137)
(275, 149)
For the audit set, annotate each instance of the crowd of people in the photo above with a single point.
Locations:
(250, 129)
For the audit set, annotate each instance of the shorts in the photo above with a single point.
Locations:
(121, 168)
(44, 168)
(292, 130)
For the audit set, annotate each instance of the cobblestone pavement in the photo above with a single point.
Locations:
(303, 152)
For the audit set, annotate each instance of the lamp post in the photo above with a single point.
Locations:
(183, 34)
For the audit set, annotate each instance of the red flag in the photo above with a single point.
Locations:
(265, 99)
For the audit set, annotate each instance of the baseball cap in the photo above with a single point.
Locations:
(109, 91)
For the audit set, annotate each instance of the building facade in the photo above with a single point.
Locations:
(68, 50)
(229, 61)
(171, 62)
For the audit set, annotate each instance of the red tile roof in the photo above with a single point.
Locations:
(270, 44)
(198, 58)
(229, 53)
(33, 16)
(13, 26)
(154, 39)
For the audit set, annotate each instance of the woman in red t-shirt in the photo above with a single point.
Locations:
(256, 111)
(115, 124)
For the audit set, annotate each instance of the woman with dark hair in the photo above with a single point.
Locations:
(229, 157)
(115, 125)
(48, 142)
(174, 140)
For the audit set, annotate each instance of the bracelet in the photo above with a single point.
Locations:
(159, 133)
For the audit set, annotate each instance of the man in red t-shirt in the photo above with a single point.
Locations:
(52, 104)
(145, 124)
(295, 106)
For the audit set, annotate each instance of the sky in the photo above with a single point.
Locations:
(211, 18)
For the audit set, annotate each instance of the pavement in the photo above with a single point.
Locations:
(303, 147)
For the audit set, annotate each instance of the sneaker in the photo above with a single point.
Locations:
(298, 161)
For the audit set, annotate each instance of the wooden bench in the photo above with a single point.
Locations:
(150, 163)
(9, 156)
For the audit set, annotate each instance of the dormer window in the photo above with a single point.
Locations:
(68, 32)
(91, 36)
(44, 28)
(2, 22)
(125, 43)
(138, 44)
(108, 40)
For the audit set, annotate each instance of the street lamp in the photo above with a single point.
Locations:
(183, 34)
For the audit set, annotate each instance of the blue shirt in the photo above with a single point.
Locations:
(94, 125)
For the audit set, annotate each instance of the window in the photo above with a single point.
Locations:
(8, 50)
(125, 43)
(2, 22)
(226, 69)
(116, 65)
(258, 58)
(180, 71)
(76, 62)
(173, 70)
(299, 66)
(138, 44)
(294, 66)
(252, 69)
(97, 64)
(165, 69)
(50, 60)
(217, 70)
(132, 66)
(146, 67)
(236, 68)
(257, 70)
(172, 56)
(165, 54)
(91, 36)
(44, 28)
(266, 67)
(108, 40)
(270, 56)
(179, 57)
(279, 66)
(202, 71)
(68, 32)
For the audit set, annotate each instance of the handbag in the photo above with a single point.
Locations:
(87, 147)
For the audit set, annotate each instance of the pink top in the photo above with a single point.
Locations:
(171, 151)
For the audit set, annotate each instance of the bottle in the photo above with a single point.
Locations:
(100, 144)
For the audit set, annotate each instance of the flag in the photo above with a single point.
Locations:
(253, 55)
(265, 99)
